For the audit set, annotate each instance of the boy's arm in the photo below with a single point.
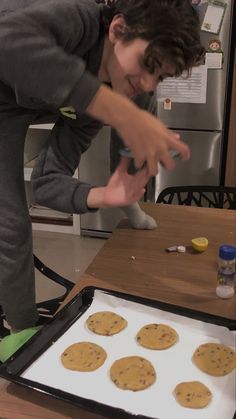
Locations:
(52, 177)
(52, 181)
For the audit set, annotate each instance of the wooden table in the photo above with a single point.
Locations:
(137, 262)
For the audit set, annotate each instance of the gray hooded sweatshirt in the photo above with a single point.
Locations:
(50, 53)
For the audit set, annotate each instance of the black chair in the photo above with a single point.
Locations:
(46, 309)
(200, 196)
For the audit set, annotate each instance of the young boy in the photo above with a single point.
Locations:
(79, 63)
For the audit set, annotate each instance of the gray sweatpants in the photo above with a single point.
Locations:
(17, 286)
(17, 280)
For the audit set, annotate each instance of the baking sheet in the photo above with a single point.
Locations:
(172, 365)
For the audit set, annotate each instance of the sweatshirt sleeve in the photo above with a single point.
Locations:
(37, 52)
(52, 177)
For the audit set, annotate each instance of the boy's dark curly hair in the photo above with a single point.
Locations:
(171, 26)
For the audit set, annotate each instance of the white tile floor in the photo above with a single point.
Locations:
(67, 254)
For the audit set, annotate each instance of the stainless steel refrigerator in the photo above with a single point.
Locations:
(197, 108)
(200, 114)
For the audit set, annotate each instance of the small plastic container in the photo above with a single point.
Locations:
(226, 271)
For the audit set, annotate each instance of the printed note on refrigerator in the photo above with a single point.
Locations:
(185, 89)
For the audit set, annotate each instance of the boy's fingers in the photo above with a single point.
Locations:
(152, 166)
(143, 176)
(124, 164)
(168, 163)
(149, 164)
(139, 163)
(181, 147)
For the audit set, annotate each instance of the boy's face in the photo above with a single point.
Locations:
(125, 65)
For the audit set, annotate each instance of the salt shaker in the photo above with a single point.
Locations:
(226, 271)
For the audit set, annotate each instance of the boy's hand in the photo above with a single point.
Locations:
(122, 189)
(145, 135)
(151, 142)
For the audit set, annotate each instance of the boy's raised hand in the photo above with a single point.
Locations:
(151, 142)
(145, 135)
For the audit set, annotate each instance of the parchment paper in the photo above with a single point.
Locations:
(172, 365)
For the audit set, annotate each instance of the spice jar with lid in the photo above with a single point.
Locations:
(226, 271)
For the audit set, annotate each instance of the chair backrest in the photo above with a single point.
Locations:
(200, 196)
(48, 308)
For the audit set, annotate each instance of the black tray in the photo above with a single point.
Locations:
(13, 368)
